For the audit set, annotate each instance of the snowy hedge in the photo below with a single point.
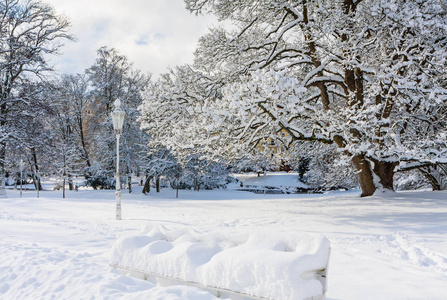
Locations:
(267, 265)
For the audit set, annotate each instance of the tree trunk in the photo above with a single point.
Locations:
(3, 112)
(385, 171)
(129, 179)
(157, 183)
(70, 182)
(363, 168)
(37, 182)
(84, 144)
(2, 168)
(366, 178)
(147, 185)
(436, 175)
(433, 182)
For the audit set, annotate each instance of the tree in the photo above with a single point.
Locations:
(73, 90)
(29, 32)
(360, 75)
(112, 77)
(160, 161)
(67, 120)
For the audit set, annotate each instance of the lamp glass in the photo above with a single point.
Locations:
(118, 119)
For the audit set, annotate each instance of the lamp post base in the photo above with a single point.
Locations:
(118, 205)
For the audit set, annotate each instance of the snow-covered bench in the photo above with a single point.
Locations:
(248, 266)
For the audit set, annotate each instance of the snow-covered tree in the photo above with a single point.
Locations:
(67, 120)
(366, 76)
(29, 32)
(159, 162)
(113, 77)
(73, 92)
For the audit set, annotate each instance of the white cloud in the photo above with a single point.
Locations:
(153, 34)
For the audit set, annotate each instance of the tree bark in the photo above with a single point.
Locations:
(363, 168)
(385, 171)
(83, 143)
(435, 175)
(70, 182)
(129, 179)
(433, 182)
(37, 182)
(157, 183)
(2, 168)
(147, 185)
(365, 174)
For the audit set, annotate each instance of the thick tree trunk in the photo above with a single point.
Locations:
(385, 171)
(363, 168)
(147, 185)
(366, 178)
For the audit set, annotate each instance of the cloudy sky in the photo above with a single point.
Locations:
(153, 34)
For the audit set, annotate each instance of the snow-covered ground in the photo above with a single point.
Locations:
(383, 247)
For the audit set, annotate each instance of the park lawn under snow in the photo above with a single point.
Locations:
(391, 246)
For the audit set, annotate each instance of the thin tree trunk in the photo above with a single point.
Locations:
(83, 143)
(129, 179)
(2, 168)
(129, 182)
(70, 182)
(157, 183)
(37, 182)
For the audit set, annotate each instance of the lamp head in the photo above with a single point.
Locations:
(118, 117)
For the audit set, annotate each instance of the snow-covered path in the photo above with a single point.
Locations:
(390, 247)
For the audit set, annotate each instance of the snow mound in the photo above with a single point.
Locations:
(260, 264)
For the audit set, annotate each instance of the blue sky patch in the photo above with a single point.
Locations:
(145, 39)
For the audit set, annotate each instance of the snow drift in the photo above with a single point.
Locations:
(261, 264)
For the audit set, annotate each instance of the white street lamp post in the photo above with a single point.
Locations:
(118, 119)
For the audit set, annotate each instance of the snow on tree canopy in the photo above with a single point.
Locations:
(360, 75)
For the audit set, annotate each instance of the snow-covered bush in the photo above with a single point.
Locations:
(329, 170)
(201, 174)
(100, 182)
(411, 180)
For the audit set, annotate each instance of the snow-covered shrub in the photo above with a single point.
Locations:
(330, 170)
(201, 174)
(410, 180)
(100, 182)
(256, 162)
